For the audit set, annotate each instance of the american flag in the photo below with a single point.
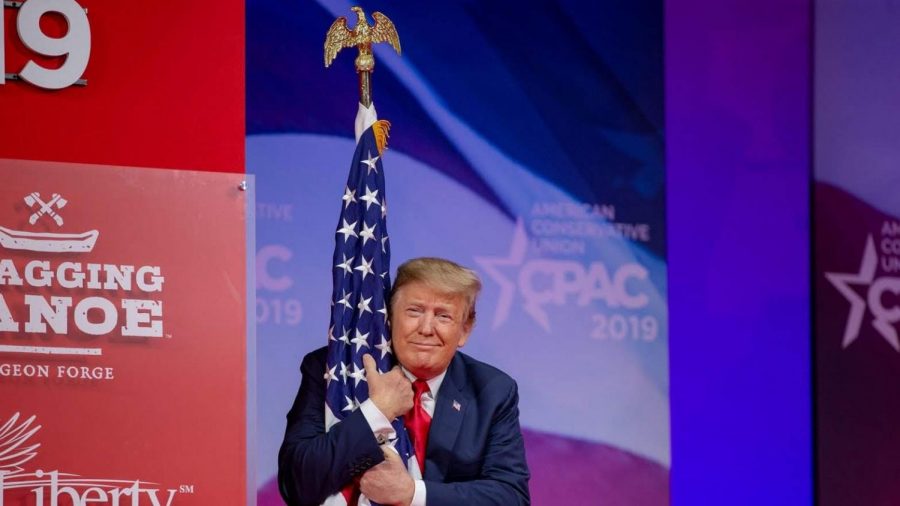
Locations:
(362, 284)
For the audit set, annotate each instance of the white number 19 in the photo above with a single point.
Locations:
(75, 45)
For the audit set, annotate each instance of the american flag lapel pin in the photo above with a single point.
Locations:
(456, 405)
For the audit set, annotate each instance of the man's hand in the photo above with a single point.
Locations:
(391, 392)
(388, 482)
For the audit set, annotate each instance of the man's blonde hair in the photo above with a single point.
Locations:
(444, 276)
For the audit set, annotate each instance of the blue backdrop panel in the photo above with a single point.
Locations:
(738, 113)
(857, 260)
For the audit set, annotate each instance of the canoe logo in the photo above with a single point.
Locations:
(53, 487)
(48, 242)
(53, 285)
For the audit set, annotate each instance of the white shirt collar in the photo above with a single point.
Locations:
(434, 384)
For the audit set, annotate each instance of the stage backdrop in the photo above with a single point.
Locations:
(526, 144)
(857, 261)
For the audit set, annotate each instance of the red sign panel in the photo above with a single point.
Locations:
(164, 83)
(123, 358)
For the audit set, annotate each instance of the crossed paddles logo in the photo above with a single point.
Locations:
(49, 209)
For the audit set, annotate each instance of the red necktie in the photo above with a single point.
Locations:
(417, 422)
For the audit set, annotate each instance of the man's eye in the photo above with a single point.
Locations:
(413, 311)
(445, 317)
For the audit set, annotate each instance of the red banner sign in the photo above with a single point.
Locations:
(123, 358)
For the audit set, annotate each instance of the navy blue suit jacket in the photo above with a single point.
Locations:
(475, 454)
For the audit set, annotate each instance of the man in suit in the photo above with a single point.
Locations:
(472, 445)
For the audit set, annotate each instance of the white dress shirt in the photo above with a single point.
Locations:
(385, 433)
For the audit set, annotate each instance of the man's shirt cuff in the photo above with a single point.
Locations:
(380, 425)
(419, 495)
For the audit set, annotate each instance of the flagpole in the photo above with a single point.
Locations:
(361, 274)
(365, 89)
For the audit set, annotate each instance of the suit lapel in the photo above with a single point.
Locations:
(452, 402)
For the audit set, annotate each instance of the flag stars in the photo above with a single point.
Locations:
(345, 338)
(365, 267)
(351, 331)
(384, 346)
(346, 300)
(345, 265)
(349, 196)
(371, 197)
(348, 229)
(358, 375)
(330, 375)
(361, 340)
(367, 233)
(370, 164)
(363, 306)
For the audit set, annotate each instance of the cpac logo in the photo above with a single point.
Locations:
(884, 317)
(54, 487)
(542, 282)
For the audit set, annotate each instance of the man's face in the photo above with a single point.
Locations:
(427, 326)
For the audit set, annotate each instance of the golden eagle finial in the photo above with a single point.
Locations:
(362, 37)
